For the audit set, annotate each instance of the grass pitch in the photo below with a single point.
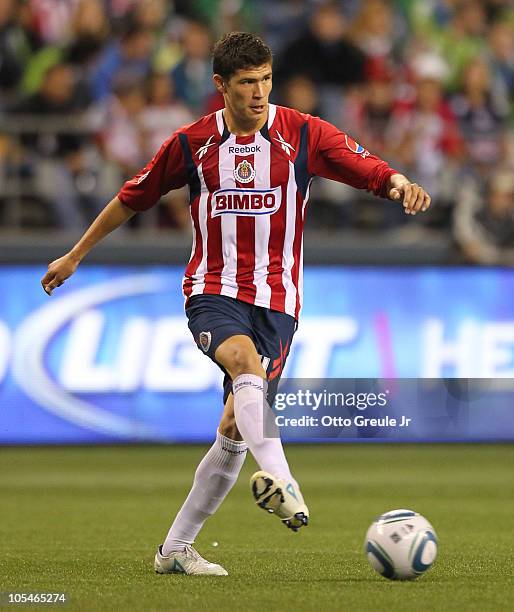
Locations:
(86, 521)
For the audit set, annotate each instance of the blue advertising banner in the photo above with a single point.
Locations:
(109, 356)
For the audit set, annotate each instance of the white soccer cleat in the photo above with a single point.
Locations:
(281, 498)
(187, 561)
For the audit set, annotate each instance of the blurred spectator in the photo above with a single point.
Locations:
(174, 211)
(427, 142)
(497, 9)
(425, 16)
(162, 114)
(15, 49)
(280, 21)
(481, 119)
(89, 33)
(134, 128)
(369, 110)
(56, 150)
(119, 10)
(301, 93)
(19, 44)
(193, 74)
(52, 19)
(323, 52)
(121, 134)
(168, 51)
(368, 115)
(500, 57)
(484, 219)
(57, 97)
(130, 55)
(151, 15)
(214, 103)
(460, 39)
(227, 15)
(372, 31)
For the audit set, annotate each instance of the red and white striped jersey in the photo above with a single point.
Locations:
(248, 196)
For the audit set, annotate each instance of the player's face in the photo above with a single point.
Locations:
(246, 94)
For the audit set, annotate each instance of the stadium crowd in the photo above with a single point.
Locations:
(89, 89)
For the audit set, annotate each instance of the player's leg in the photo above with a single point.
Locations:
(240, 359)
(274, 487)
(227, 425)
(211, 320)
(215, 476)
(273, 334)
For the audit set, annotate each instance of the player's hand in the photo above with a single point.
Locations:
(413, 197)
(58, 271)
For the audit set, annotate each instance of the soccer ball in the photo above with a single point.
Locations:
(401, 545)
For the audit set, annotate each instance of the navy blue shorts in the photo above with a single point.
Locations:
(214, 318)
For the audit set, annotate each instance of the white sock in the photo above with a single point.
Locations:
(215, 476)
(250, 404)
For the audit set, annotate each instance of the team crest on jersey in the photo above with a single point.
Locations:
(244, 172)
(355, 147)
(205, 341)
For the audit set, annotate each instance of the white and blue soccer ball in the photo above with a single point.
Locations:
(401, 545)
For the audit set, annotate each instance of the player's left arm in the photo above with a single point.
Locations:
(335, 155)
(413, 197)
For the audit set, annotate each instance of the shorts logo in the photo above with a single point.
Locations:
(355, 147)
(205, 341)
(244, 172)
(246, 201)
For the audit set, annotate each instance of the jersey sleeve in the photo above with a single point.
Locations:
(335, 155)
(166, 171)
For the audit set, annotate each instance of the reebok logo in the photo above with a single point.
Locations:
(246, 383)
(244, 149)
(205, 147)
(288, 148)
(139, 180)
(233, 452)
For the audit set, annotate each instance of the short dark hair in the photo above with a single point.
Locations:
(237, 51)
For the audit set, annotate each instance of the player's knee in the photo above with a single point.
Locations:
(245, 362)
(241, 358)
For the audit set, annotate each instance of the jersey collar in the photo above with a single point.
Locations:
(264, 131)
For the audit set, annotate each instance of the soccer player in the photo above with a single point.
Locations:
(249, 168)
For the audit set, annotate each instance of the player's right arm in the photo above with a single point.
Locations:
(164, 172)
(111, 217)
(336, 156)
